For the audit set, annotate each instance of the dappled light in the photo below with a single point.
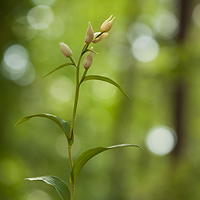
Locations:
(196, 14)
(143, 90)
(22, 29)
(16, 65)
(16, 58)
(145, 49)
(51, 32)
(161, 140)
(58, 92)
(138, 29)
(166, 24)
(40, 17)
(44, 2)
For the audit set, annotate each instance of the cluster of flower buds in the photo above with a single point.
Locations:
(98, 36)
(90, 37)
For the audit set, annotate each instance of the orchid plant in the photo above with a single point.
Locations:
(66, 192)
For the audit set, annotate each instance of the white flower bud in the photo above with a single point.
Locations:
(66, 51)
(88, 60)
(89, 34)
(103, 35)
(107, 24)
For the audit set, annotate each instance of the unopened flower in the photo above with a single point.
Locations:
(89, 34)
(88, 60)
(66, 51)
(107, 24)
(98, 39)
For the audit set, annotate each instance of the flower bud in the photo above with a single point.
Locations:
(88, 60)
(66, 51)
(107, 24)
(89, 34)
(103, 35)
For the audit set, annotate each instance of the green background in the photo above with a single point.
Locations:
(164, 91)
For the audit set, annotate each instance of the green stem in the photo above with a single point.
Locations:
(70, 156)
(72, 60)
(72, 191)
(77, 90)
(84, 74)
(75, 109)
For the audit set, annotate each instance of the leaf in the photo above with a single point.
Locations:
(105, 79)
(57, 68)
(65, 126)
(87, 155)
(59, 185)
(91, 51)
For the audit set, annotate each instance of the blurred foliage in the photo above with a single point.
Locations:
(105, 116)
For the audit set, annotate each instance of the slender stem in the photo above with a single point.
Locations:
(84, 74)
(72, 191)
(70, 156)
(75, 109)
(73, 62)
(77, 91)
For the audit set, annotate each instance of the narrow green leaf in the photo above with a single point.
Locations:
(59, 185)
(65, 126)
(87, 155)
(92, 51)
(57, 68)
(105, 79)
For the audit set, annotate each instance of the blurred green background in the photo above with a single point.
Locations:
(152, 51)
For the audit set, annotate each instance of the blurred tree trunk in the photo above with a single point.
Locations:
(180, 87)
(122, 120)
